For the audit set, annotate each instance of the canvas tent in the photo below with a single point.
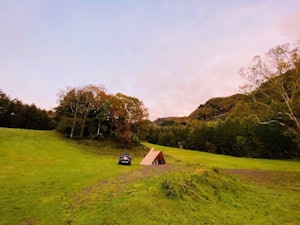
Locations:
(153, 158)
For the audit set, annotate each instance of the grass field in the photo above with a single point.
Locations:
(47, 179)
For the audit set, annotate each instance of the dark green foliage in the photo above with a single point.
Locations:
(174, 136)
(201, 137)
(273, 143)
(153, 134)
(15, 114)
(236, 137)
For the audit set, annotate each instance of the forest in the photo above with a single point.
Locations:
(262, 121)
(15, 114)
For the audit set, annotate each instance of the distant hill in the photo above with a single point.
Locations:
(217, 107)
(241, 105)
(214, 108)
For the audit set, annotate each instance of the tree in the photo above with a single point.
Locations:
(78, 103)
(125, 112)
(87, 111)
(93, 100)
(69, 107)
(4, 109)
(153, 133)
(15, 114)
(274, 83)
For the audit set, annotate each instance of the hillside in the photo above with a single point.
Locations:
(214, 108)
(266, 99)
(217, 107)
(47, 179)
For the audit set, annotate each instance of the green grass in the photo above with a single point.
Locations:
(222, 161)
(190, 198)
(47, 179)
(39, 170)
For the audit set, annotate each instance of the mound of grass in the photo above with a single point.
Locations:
(207, 185)
(193, 197)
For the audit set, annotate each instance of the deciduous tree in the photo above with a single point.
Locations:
(274, 83)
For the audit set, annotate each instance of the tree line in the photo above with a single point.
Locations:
(15, 114)
(236, 137)
(263, 122)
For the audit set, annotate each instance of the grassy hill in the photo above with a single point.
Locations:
(217, 107)
(46, 179)
(214, 108)
(243, 105)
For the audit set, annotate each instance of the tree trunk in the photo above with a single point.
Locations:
(83, 123)
(292, 115)
(74, 120)
(99, 128)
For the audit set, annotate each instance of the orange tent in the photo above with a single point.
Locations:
(153, 158)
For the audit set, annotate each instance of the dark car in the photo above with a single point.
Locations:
(125, 158)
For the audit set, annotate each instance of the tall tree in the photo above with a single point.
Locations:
(274, 83)
(69, 106)
(128, 112)
(77, 103)
(93, 98)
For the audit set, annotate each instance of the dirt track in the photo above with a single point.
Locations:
(280, 178)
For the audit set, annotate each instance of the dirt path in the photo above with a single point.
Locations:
(279, 178)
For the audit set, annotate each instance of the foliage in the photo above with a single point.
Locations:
(274, 83)
(262, 122)
(236, 137)
(90, 112)
(15, 114)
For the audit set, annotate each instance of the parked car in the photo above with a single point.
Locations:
(125, 158)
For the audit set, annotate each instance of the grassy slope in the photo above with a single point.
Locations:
(45, 179)
(39, 171)
(222, 161)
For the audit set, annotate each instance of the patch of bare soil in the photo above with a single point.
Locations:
(28, 222)
(279, 178)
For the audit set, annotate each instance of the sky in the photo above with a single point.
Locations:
(171, 54)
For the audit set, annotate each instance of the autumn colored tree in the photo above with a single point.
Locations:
(89, 111)
(125, 113)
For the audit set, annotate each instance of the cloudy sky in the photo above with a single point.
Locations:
(172, 54)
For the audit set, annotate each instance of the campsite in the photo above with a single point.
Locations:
(150, 112)
(48, 179)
